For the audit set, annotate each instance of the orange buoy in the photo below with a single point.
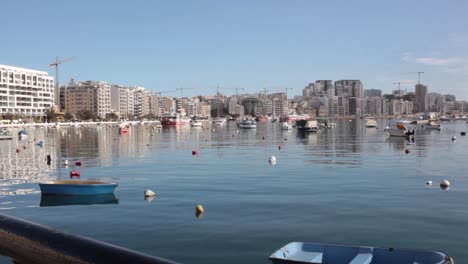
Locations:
(195, 152)
(78, 163)
(407, 151)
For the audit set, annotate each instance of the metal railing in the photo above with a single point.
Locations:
(27, 242)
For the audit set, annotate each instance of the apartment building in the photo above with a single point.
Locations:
(25, 91)
(349, 88)
(94, 96)
(122, 101)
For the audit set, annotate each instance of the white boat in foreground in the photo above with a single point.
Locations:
(301, 252)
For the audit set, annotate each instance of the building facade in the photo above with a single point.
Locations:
(94, 96)
(25, 91)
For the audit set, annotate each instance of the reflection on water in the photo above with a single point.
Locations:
(348, 184)
(59, 200)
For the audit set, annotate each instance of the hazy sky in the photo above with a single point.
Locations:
(255, 45)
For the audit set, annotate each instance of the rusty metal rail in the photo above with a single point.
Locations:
(27, 242)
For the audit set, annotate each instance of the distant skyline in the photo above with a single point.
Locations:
(255, 45)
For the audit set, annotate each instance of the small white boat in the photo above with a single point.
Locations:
(301, 252)
(370, 122)
(219, 121)
(247, 123)
(432, 125)
(196, 123)
(286, 126)
(400, 131)
(5, 134)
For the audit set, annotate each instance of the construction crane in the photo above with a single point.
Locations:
(161, 92)
(181, 89)
(56, 64)
(418, 73)
(287, 91)
(237, 91)
(398, 87)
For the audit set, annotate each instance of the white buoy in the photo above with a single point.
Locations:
(149, 198)
(387, 128)
(199, 210)
(272, 160)
(445, 184)
(454, 138)
(429, 182)
(149, 193)
(66, 162)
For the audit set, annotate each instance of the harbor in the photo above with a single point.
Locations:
(348, 184)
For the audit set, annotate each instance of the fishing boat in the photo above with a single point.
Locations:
(307, 125)
(5, 134)
(170, 120)
(400, 131)
(247, 123)
(302, 252)
(370, 122)
(77, 187)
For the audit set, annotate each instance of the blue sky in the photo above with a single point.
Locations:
(255, 45)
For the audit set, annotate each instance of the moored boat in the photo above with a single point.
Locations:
(170, 120)
(302, 252)
(23, 134)
(196, 123)
(307, 125)
(286, 126)
(184, 120)
(400, 131)
(370, 122)
(247, 123)
(77, 187)
(219, 121)
(5, 134)
(60, 200)
(124, 128)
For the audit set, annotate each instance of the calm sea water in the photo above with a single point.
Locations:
(347, 185)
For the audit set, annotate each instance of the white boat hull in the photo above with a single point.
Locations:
(395, 132)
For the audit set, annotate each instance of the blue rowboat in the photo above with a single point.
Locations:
(77, 187)
(300, 252)
(59, 200)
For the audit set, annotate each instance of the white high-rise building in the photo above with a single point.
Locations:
(25, 91)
